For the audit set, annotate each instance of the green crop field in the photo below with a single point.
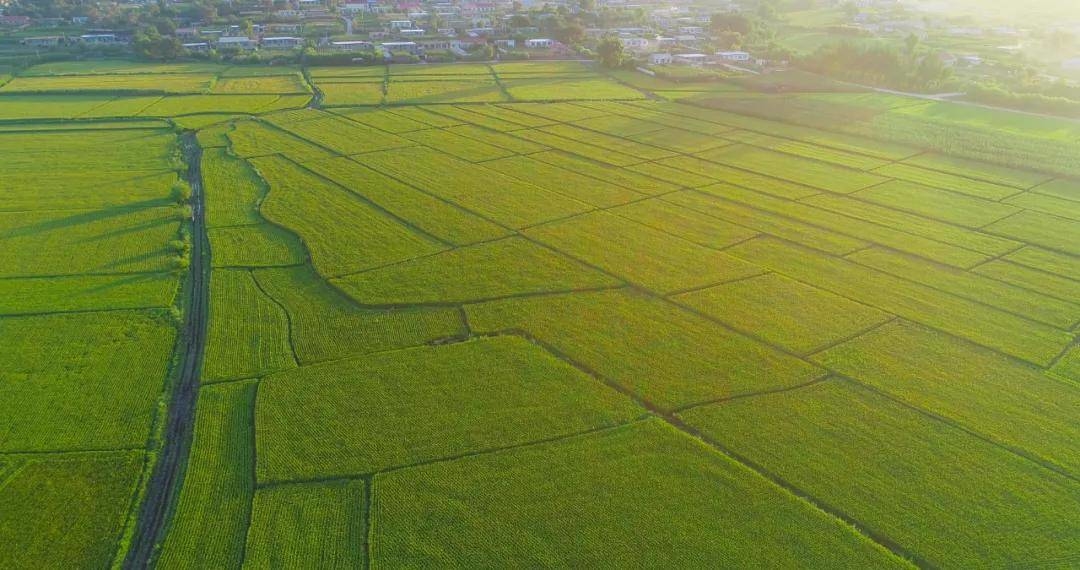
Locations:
(529, 314)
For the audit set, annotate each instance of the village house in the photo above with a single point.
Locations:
(236, 42)
(539, 43)
(282, 42)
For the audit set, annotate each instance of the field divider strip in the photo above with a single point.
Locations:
(824, 377)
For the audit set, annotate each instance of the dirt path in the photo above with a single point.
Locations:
(165, 481)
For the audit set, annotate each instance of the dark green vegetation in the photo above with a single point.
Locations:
(579, 333)
(90, 236)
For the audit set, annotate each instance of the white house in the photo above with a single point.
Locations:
(42, 41)
(197, 46)
(439, 44)
(238, 42)
(1071, 64)
(282, 42)
(98, 38)
(352, 45)
(539, 43)
(690, 58)
(660, 59)
(635, 44)
(412, 32)
(733, 55)
(691, 30)
(410, 47)
(400, 24)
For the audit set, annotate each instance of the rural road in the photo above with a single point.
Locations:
(165, 480)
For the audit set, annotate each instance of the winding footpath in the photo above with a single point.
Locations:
(164, 483)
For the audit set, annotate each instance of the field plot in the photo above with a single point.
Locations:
(132, 83)
(503, 268)
(213, 507)
(326, 325)
(264, 84)
(567, 88)
(352, 93)
(60, 385)
(249, 332)
(664, 355)
(645, 256)
(442, 401)
(67, 512)
(985, 392)
(501, 199)
(86, 293)
(794, 315)
(260, 245)
(641, 475)
(342, 136)
(342, 233)
(888, 465)
(438, 91)
(319, 524)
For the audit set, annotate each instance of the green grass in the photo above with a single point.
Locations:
(151, 83)
(506, 114)
(495, 138)
(1014, 335)
(1038, 280)
(794, 315)
(251, 138)
(213, 509)
(844, 223)
(618, 144)
(342, 233)
(343, 136)
(1047, 204)
(507, 267)
(259, 245)
(936, 490)
(86, 293)
(945, 181)
(627, 179)
(67, 512)
(319, 524)
(29, 190)
(679, 140)
(979, 170)
(327, 325)
(807, 150)
(764, 222)
(471, 115)
(400, 92)
(248, 334)
(646, 257)
(574, 146)
(613, 492)
(557, 112)
(423, 404)
(180, 105)
(578, 186)
(1052, 232)
(698, 172)
(425, 116)
(504, 200)
(999, 398)
(926, 201)
(567, 88)
(657, 351)
(48, 106)
(792, 168)
(232, 190)
(356, 93)
(382, 120)
(971, 240)
(683, 222)
(1067, 189)
(441, 219)
(457, 145)
(122, 107)
(292, 83)
(1060, 264)
(621, 126)
(1024, 302)
(64, 242)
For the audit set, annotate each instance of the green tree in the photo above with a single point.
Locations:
(610, 52)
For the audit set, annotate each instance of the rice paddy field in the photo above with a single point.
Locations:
(528, 315)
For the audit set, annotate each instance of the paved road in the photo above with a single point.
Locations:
(165, 481)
